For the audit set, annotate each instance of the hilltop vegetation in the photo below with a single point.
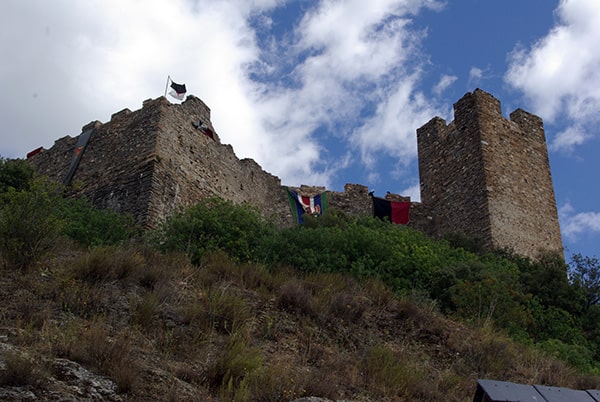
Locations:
(218, 304)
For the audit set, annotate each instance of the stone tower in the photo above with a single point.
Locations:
(489, 177)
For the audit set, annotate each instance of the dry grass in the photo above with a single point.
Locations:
(295, 297)
(113, 356)
(20, 370)
(163, 329)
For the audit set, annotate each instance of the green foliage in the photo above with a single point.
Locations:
(578, 355)
(547, 280)
(94, 227)
(33, 214)
(461, 240)
(491, 294)
(215, 224)
(29, 225)
(550, 322)
(401, 257)
(585, 277)
(16, 174)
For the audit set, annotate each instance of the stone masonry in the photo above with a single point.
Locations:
(481, 174)
(489, 177)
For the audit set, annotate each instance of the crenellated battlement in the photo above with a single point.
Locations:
(481, 174)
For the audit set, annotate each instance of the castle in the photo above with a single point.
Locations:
(482, 174)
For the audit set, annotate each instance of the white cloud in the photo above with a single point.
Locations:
(567, 139)
(392, 128)
(574, 224)
(560, 73)
(74, 62)
(444, 82)
(414, 192)
(475, 76)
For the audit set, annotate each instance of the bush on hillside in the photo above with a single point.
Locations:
(29, 225)
(95, 227)
(16, 174)
(401, 257)
(212, 225)
(584, 274)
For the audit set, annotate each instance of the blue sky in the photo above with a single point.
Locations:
(317, 92)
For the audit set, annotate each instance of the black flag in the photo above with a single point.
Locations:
(178, 90)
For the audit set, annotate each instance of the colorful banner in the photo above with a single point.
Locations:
(306, 205)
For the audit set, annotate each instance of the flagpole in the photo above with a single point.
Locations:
(167, 86)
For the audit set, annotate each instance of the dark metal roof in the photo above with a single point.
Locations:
(594, 393)
(557, 394)
(506, 391)
(503, 391)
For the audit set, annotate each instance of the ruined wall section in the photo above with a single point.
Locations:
(117, 165)
(192, 166)
(356, 201)
(159, 159)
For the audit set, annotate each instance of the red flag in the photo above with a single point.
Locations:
(395, 211)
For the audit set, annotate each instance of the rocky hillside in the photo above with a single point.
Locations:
(114, 323)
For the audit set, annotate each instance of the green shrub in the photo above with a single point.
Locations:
(94, 227)
(29, 225)
(461, 240)
(215, 224)
(578, 356)
(16, 174)
(491, 295)
(366, 248)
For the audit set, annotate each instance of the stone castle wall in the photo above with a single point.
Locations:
(476, 173)
(489, 177)
(156, 160)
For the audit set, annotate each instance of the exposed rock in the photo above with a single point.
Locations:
(54, 380)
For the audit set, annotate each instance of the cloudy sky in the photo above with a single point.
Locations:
(319, 92)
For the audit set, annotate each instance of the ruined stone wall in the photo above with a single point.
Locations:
(355, 200)
(116, 169)
(489, 177)
(482, 174)
(158, 159)
(192, 166)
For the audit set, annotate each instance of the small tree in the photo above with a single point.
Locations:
(584, 274)
(29, 225)
(15, 173)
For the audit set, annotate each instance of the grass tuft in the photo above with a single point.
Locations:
(20, 370)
